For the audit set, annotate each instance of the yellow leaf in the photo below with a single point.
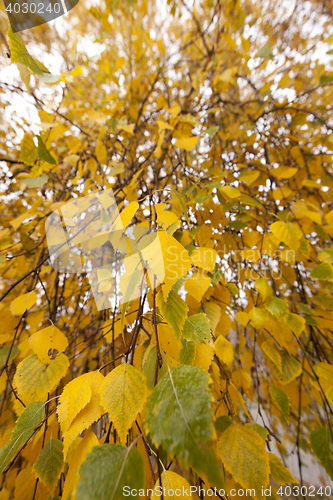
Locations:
(249, 176)
(187, 143)
(263, 288)
(88, 415)
(127, 128)
(123, 394)
(224, 350)
(128, 213)
(33, 381)
(172, 482)
(48, 343)
(162, 125)
(252, 255)
(166, 219)
(243, 318)
(213, 312)
(203, 356)
(22, 303)
(158, 150)
(75, 396)
(101, 153)
(197, 284)
(230, 191)
(243, 453)
(72, 478)
(204, 258)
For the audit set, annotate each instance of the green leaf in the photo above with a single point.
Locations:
(27, 242)
(281, 399)
(265, 52)
(174, 310)
(107, 470)
(222, 423)
(4, 354)
(49, 464)
(44, 153)
(325, 79)
(35, 182)
(296, 323)
(25, 426)
(322, 446)
(263, 433)
(187, 354)
(211, 131)
(243, 453)
(323, 272)
(183, 424)
(197, 328)
(279, 472)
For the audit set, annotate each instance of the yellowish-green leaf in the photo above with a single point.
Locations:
(279, 472)
(323, 271)
(263, 288)
(243, 454)
(249, 176)
(291, 368)
(128, 213)
(49, 464)
(258, 317)
(28, 150)
(321, 443)
(88, 415)
(230, 191)
(123, 395)
(281, 399)
(204, 258)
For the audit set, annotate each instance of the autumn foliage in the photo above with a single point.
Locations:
(210, 121)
